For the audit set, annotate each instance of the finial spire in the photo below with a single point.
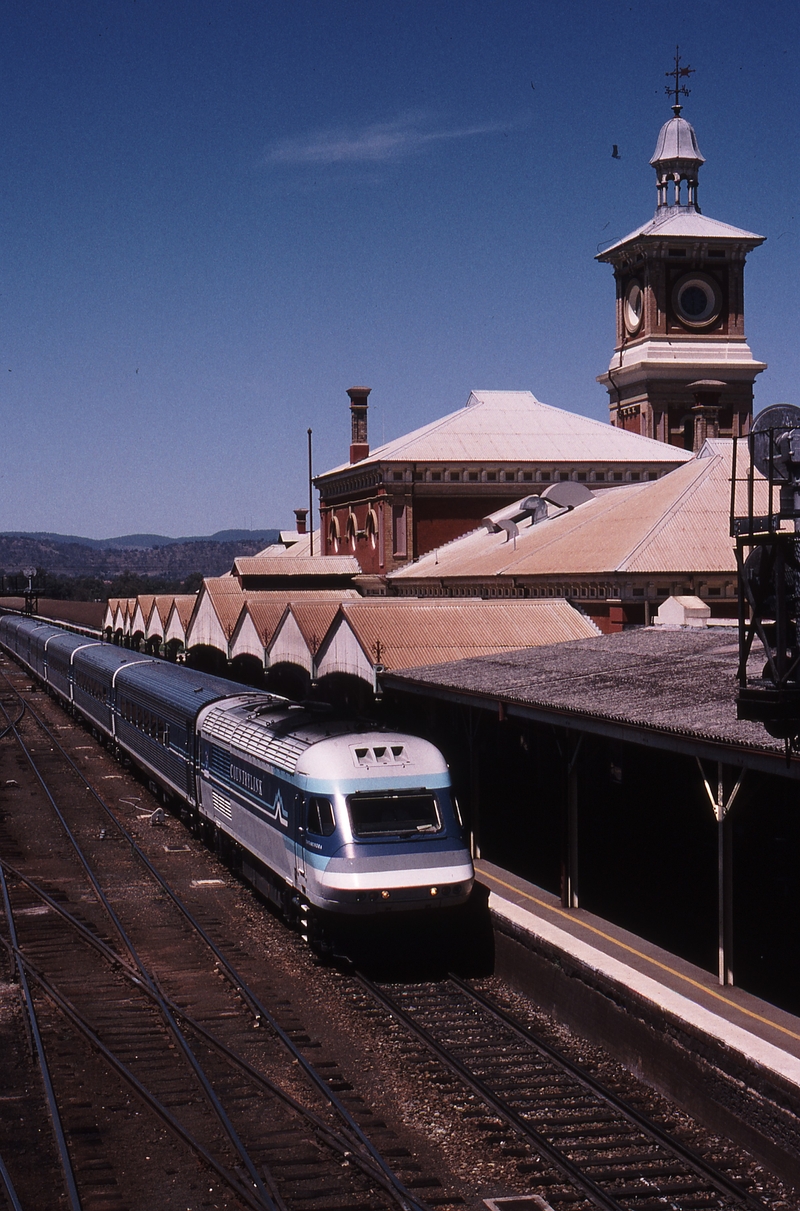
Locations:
(677, 89)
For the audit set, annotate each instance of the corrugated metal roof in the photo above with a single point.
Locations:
(302, 546)
(679, 523)
(300, 565)
(414, 633)
(683, 221)
(611, 677)
(184, 604)
(514, 426)
(163, 605)
(265, 616)
(314, 619)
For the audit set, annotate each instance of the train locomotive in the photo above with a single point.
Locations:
(323, 818)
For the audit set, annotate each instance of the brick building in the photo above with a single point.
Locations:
(390, 505)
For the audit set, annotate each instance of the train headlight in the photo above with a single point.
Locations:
(434, 891)
(384, 895)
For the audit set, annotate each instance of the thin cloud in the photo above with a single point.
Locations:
(378, 143)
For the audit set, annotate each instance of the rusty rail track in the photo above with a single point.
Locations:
(78, 970)
(591, 1142)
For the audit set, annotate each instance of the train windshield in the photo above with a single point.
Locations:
(389, 814)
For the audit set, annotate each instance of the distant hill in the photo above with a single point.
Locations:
(144, 554)
(138, 542)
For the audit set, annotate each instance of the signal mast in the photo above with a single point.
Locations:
(768, 562)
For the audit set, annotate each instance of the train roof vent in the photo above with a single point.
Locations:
(281, 751)
(379, 754)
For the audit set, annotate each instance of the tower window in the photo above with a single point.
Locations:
(635, 477)
(716, 252)
(527, 476)
(491, 476)
(473, 475)
(677, 252)
(436, 476)
(582, 477)
(544, 476)
(617, 477)
(563, 476)
(454, 476)
(397, 475)
(509, 476)
(600, 477)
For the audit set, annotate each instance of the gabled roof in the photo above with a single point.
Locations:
(679, 523)
(514, 426)
(162, 605)
(265, 616)
(405, 633)
(267, 609)
(183, 604)
(299, 545)
(683, 222)
(345, 566)
(314, 620)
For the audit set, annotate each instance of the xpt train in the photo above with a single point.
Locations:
(315, 811)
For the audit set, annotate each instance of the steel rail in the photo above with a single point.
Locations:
(122, 1070)
(565, 1166)
(168, 1018)
(8, 1185)
(52, 1104)
(338, 1143)
(724, 1184)
(10, 726)
(260, 1012)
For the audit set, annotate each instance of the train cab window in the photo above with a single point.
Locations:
(387, 814)
(319, 818)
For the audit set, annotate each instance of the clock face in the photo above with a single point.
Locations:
(697, 300)
(634, 307)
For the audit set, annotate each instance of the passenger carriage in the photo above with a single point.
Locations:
(317, 813)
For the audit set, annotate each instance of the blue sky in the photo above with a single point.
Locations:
(218, 215)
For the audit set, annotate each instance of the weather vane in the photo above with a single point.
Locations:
(677, 89)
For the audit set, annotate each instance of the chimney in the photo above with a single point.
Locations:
(301, 515)
(705, 412)
(359, 446)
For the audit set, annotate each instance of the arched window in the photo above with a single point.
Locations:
(372, 529)
(351, 531)
(333, 536)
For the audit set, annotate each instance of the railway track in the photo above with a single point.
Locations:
(591, 1148)
(144, 997)
(146, 1004)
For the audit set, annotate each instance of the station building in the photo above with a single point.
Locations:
(388, 506)
(617, 555)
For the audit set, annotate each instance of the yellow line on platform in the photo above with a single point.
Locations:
(561, 912)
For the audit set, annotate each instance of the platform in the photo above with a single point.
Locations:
(723, 1054)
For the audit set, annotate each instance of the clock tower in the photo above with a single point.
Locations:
(682, 369)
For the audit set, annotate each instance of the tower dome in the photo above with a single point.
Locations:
(677, 158)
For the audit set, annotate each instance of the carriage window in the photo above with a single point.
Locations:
(388, 814)
(319, 818)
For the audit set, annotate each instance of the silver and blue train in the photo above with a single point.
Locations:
(315, 811)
